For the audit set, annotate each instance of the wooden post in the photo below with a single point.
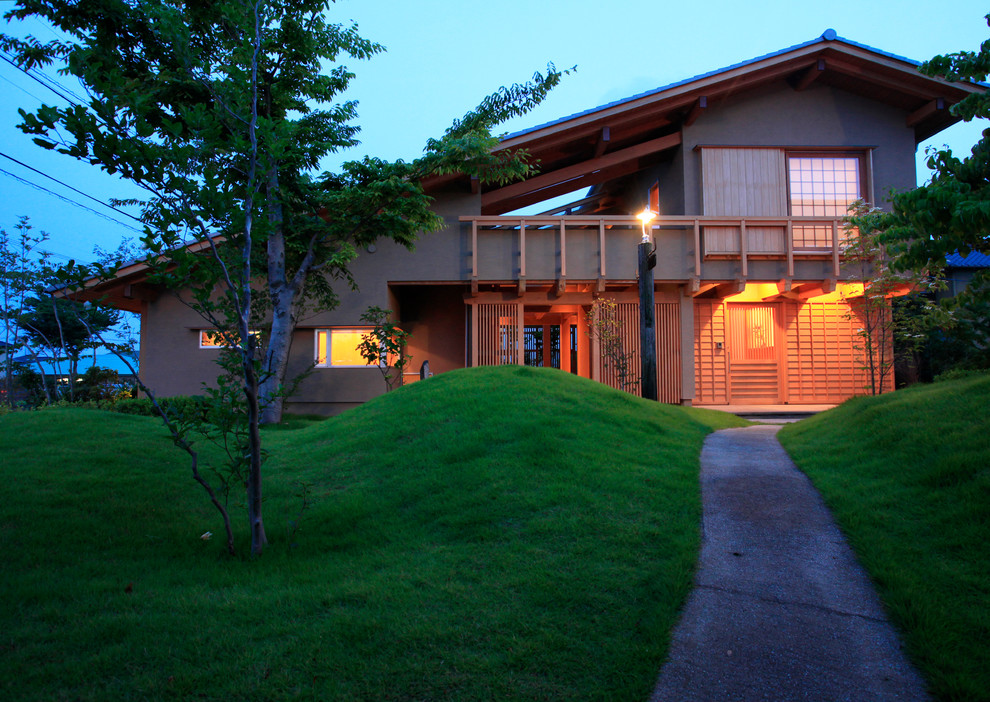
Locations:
(474, 249)
(789, 247)
(743, 248)
(835, 247)
(647, 324)
(697, 249)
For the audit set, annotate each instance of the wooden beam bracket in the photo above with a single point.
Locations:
(809, 76)
(696, 109)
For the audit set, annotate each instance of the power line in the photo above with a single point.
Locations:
(69, 201)
(66, 185)
(38, 80)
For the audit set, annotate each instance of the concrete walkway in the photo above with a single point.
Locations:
(780, 609)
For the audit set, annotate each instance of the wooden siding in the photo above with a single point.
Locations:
(814, 356)
(823, 360)
(710, 361)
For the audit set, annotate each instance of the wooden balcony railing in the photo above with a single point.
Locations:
(742, 238)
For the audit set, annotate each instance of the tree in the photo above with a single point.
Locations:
(952, 211)
(870, 267)
(222, 112)
(22, 273)
(604, 324)
(65, 327)
(385, 346)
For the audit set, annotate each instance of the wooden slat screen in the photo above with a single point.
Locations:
(823, 363)
(628, 317)
(668, 352)
(498, 333)
(743, 182)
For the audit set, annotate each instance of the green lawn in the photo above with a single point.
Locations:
(490, 534)
(907, 476)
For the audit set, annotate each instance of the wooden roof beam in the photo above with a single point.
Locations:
(603, 139)
(586, 181)
(809, 76)
(574, 172)
(926, 111)
(696, 109)
(917, 85)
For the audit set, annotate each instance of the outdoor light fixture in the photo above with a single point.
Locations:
(645, 217)
(647, 319)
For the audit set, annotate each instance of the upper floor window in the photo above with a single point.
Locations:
(822, 185)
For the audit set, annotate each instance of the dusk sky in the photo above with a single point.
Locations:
(444, 56)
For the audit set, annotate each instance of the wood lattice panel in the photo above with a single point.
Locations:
(498, 331)
(668, 352)
(823, 362)
(710, 359)
(668, 335)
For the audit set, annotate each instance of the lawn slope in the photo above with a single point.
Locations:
(494, 533)
(907, 476)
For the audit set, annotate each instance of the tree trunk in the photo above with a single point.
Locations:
(258, 537)
(276, 360)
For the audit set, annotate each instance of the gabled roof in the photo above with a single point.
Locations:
(619, 138)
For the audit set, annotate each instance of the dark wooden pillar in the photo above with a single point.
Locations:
(647, 322)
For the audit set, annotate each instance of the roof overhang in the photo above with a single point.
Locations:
(613, 140)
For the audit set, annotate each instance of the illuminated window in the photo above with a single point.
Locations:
(214, 339)
(339, 347)
(822, 185)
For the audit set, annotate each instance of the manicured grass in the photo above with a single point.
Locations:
(907, 476)
(490, 534)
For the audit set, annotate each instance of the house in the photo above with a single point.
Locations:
(960, 271)
(750, 168)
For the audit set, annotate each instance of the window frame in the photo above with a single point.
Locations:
(862, 156)
(202, 333)
(329, 331)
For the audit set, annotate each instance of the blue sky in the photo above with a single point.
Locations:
(444, 56)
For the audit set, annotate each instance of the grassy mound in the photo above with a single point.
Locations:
(907, 476)
(494, 533)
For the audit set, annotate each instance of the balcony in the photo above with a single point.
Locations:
(689, 247)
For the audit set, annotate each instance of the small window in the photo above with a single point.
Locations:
(655, 198)
(339, 348)
(214, 339)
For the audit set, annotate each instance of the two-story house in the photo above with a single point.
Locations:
(750, 170)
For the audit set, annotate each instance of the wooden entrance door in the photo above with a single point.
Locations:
(755, 343)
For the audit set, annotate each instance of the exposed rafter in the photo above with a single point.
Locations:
(696, 109)
(926, 111)
(578, 175)
(809, 76)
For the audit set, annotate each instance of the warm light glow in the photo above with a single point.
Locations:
(645, 217)
(339, 347)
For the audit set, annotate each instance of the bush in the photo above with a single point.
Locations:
(180, 406)
(102, 385)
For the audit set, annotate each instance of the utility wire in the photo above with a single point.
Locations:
(70, 201)
(66, 185)
(38, 80)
